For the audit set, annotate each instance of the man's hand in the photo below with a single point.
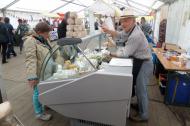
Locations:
(109, 44)
(105, 29)
(33, 83)
(108, 31)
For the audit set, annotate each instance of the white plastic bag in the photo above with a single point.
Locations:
(109, 23)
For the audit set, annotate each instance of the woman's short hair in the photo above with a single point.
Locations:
(6, 20)
(42, 27)
(20, 20)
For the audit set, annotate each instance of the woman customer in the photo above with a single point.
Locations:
(36, 48)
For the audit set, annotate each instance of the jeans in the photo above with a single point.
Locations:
(38, 108)
(141, 88)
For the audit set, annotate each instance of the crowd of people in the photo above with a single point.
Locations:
(10, 36)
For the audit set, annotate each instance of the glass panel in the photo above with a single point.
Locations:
(93, 43)
(67, 63)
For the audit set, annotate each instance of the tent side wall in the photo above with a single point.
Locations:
(174, 22)
(184, 37)
(178, 24)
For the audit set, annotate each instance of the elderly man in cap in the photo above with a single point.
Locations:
(135, 46)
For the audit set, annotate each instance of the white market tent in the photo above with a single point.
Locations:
(54, 6)
(32, 10)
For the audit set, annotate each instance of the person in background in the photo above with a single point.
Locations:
(62, 28)
(36, 47)
(147, 30)
(46, 21)
(21, 31)
(135, 46)
(4, 39)
(40, 20)
(96, 25)
(11, 36)
(25, 22)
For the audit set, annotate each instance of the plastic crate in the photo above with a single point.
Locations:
(178, 90)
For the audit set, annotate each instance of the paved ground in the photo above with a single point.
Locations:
(19, 93)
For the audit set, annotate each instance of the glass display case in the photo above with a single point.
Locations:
(72, 58)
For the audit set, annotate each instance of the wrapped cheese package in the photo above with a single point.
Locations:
(70, 27)
(75, 34)
(69, 34)
(78, 21)
(78, 28)
(70, 21)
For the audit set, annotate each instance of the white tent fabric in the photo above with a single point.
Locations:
(100, 7)
(32, 10)
(142, 6)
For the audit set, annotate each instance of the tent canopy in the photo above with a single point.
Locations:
(143, 7)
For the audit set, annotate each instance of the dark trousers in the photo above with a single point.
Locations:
(10, 50)
(4, 50)
(1, 99)
(21, 42)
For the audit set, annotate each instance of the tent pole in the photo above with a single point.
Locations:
(4, 12)
(12, 3)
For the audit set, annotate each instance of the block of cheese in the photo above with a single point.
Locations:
(75, 34)
(78, 21)
(70, 21)
(69, 34)
(70, 27)
(78, 28)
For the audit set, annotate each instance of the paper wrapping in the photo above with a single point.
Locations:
(70, 21)
(78, 28)
(70, 27)
(78, 21)
(69, 34)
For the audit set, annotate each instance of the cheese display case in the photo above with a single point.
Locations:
(74, 83)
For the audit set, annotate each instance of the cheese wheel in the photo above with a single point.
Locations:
(70, 27)
(78, 21)
(70, 21)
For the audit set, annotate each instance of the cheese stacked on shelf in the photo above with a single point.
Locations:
(75, 27)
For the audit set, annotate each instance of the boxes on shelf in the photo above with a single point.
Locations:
(178, 89)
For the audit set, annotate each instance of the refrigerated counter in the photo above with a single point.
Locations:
(73, 85)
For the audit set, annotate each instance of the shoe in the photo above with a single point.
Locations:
(137, 119)
(14, 54)
(44, 117)
(135, 106)
(4, 62)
